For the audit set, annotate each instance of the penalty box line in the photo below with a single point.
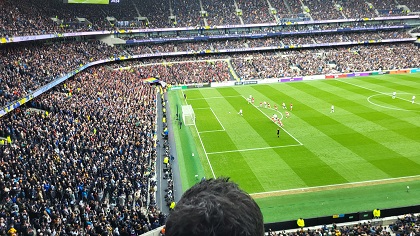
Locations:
(217, 118)
(253, 149)
(193, 99)
(274, 123)
(202, 145)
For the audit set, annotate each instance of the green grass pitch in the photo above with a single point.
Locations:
(371, 140)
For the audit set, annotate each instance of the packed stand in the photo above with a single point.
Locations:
(295, 6)
(221, 12)
(387, 7)
(282, 9)
(229, 44)
(35, 17)
(322, 9)
(265, 42)
(95, 15)
(365, 228)
(357, 9)
(21, 17)
(361, 36)
(81, 165)
(285, 40)
(413, 5)
(189, 72)
(26, 67)
(255, 11)
(187, 13)
(384, 4)
(408, 224)
(157, 12)
(327, 61)
(45, 17)
(297, 40)
(260, 67)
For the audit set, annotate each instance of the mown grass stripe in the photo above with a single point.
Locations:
(189, 167)
(380, 117)
(409, 80)
(387, 83)
(302, 160)
(222, 141)
(380, 156)
(234, 166)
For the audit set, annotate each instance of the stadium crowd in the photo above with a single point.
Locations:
(293, 39)
(282, 9)
(356, 9)
(221, 12)
(404, 225)
(414, 5)
(327, 61)
(320, 9)
(187, 13)
(45, 17)
(24, 68)
(27, 67)
(365, 228)
(82, 162)
(408, 224)
(254, 11)
(384, 4)
(81, 158)
(189, 72)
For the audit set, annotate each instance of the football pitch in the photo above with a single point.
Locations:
(360, 157)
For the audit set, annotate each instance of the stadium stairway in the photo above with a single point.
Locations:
(238, 12)
(162, 183)
(110, 40)
(232, 71)
(273, 11)
(176, 175)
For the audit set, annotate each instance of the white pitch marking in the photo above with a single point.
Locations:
(204, 149)
(392, 108)
(211, 131)
(202, 145)
(252, 149)
(334, 185)
(217, 119)
(192, 99)
(363, 87)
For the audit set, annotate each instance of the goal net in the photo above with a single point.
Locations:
(188, 115)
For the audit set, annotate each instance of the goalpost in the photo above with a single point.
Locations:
(188, 115)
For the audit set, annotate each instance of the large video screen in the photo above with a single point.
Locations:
(87, 1)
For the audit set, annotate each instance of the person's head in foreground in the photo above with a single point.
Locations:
(215, 207)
